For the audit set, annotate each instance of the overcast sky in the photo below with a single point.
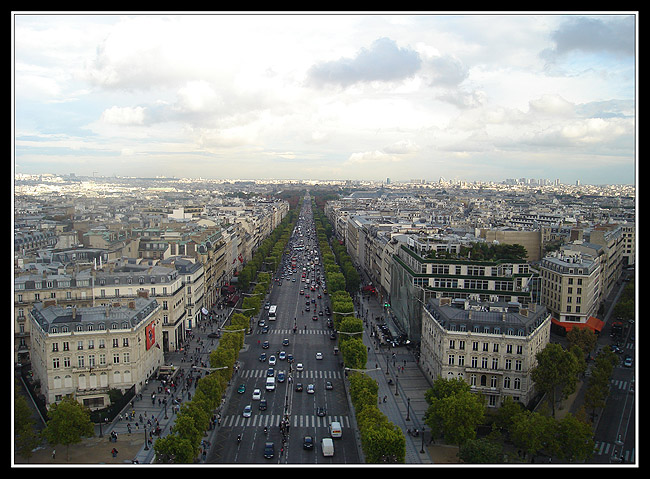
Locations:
(327, 96)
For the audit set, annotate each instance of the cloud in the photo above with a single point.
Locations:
(124, 115)
(373, 157)
(383, 61)
(446, 71)
(613, 34)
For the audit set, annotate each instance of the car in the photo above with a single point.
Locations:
(281, 376)
(257, 394)
(270, 373)
(299, 367)
(290, 357)
(282, 356)
(319, 355)
(214, 335)
(310, 389)
(328, 385)
(248, 410)
(298, 387)
(321, 412)
(302, 291)
(262, 405)
(262, 357)
(269, 450)
(314, 318)
(272, 360)
(285, 342)
(265, 345)
(241, 389)
(308, 443)
(627, 362)
(261, 322)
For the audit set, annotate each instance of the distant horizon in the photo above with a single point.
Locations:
(384, 182)
(479, 96)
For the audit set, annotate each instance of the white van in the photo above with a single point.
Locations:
(270, 384)
(335, 429)
(328, 446)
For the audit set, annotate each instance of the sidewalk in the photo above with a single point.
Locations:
(150, 411)
(402, 401)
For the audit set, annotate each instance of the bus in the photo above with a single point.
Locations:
(272, 311)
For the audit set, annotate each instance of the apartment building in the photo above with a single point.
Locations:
(193, 276)
(84, 352)
(127, 279)
(571, 288)
(490, 345)
(64, 290)
(415, 278)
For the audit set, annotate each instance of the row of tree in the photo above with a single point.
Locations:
(183, 444)
(381, 440)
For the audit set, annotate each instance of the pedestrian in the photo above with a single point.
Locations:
(53, 454)
(114, 452)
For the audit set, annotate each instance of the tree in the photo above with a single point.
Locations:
(556, 372)
(531, 431)
(481, 451)
(68, 423)
(26, 436)
(174, 449)
(454, 411)
(573, 439)
(584, 338)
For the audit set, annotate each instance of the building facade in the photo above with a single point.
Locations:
(490, 345)
(571, 288)
(415, 279)
(86, 352)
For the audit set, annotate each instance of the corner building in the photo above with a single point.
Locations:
(492, 346)
(86, 352)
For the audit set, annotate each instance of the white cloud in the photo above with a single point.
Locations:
(340, 91)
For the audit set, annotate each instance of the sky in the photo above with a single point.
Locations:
(329, 95)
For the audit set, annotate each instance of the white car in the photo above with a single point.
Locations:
(257, 394)
(319, 355)
(310, 389)
(248, 410)
(272, 360)
(282, 356)
(299, 367)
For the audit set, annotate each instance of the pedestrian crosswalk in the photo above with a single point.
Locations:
(603, 448)
(621, 384)
(296, 375)
(274, 420)
(287, 332)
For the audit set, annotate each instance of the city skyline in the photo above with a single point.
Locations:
(327, 96)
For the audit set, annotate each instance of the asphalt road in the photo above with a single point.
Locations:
(296, 332)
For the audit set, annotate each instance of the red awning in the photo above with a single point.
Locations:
(592, 323)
